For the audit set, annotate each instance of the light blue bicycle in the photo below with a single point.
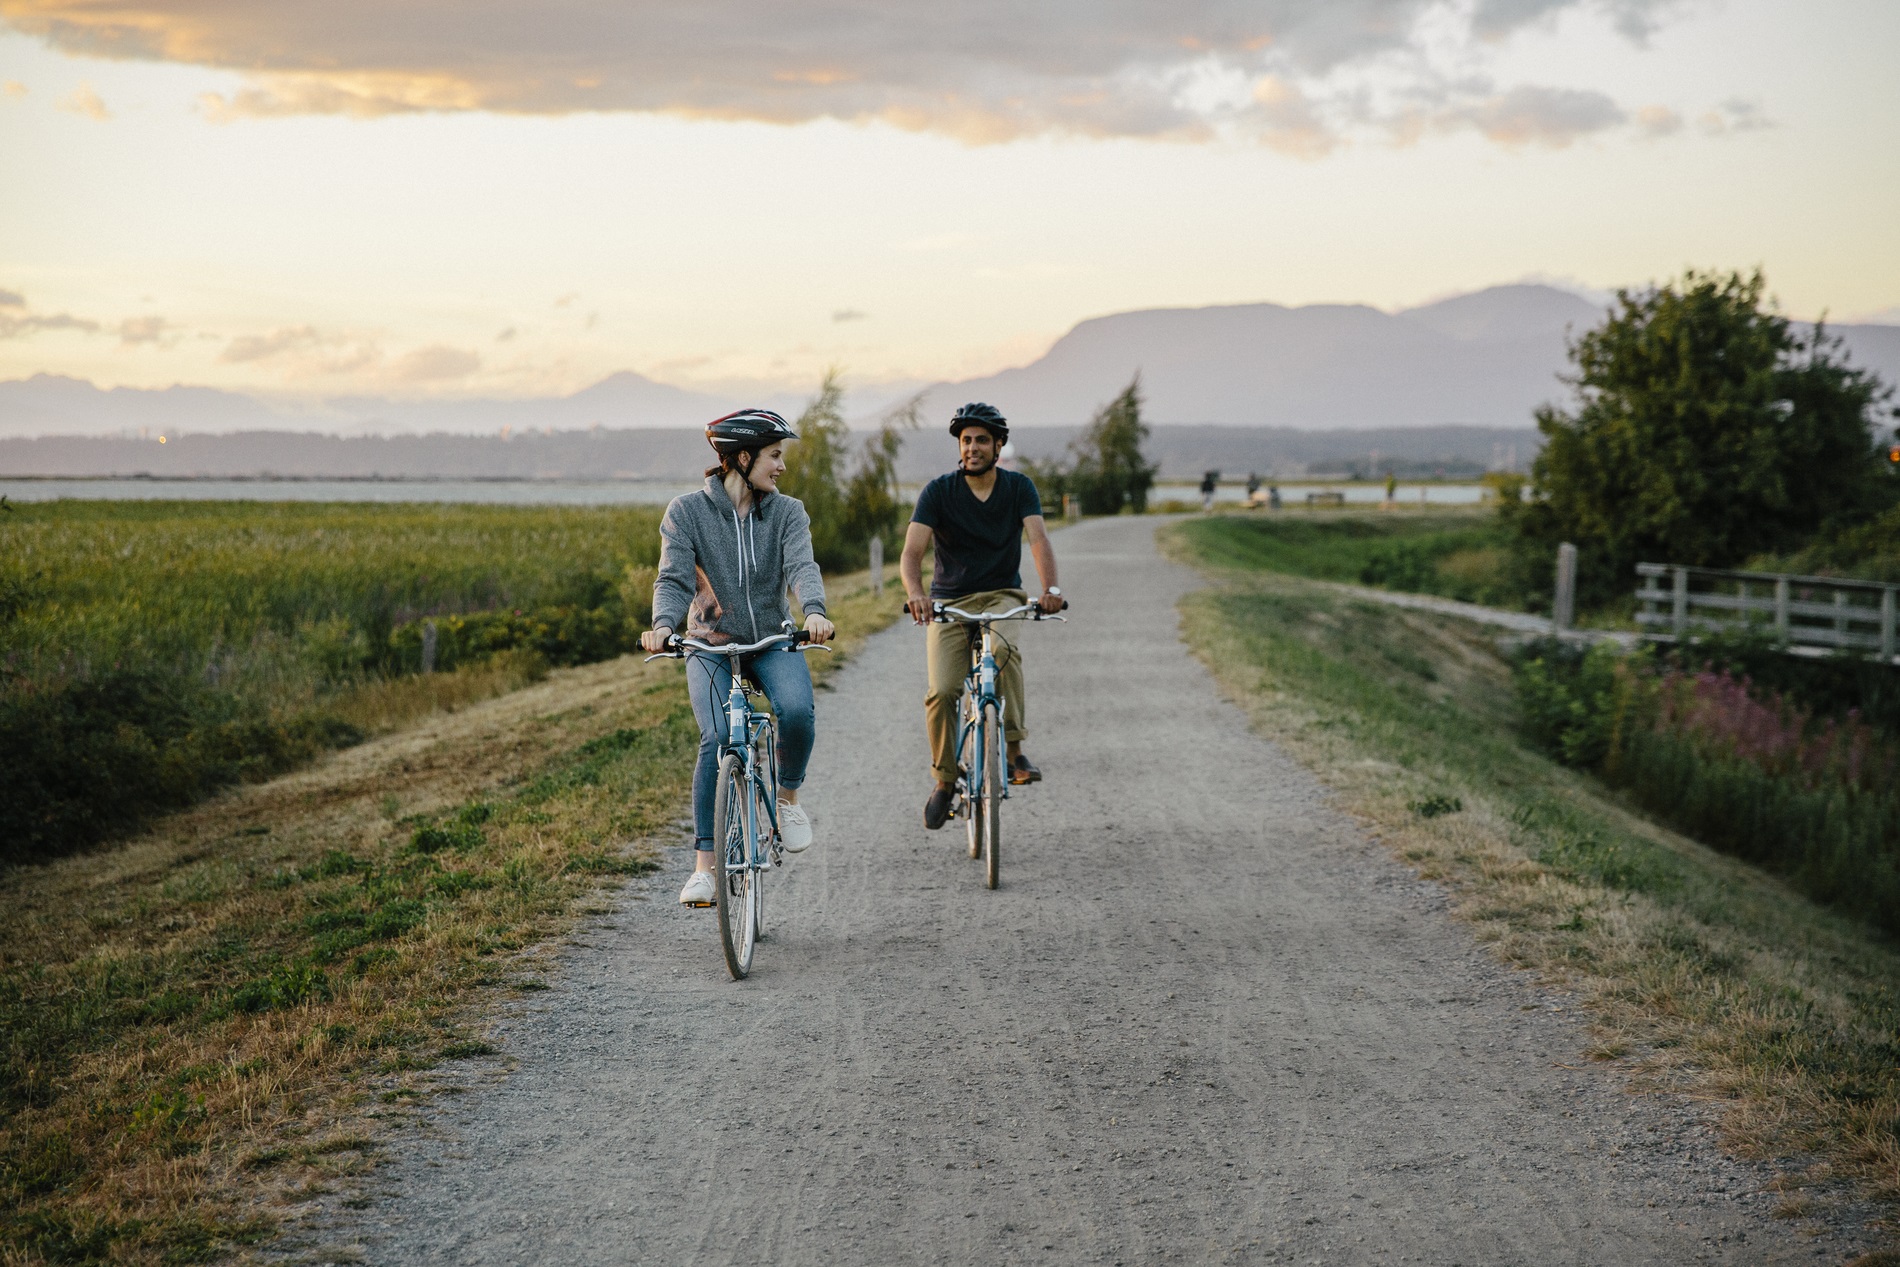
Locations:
(983, 778)
(746, 842)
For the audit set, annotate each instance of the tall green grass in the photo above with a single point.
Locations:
(151, 652)
(1745, 769)
(1453, 554)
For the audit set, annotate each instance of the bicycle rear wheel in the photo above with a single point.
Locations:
(991, 797)
(735, 883)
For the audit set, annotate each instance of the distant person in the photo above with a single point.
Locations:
(1391, 489)
(728, 554)
(1209, 482)
(1253, 487)
(1273, 497)
(975, 519)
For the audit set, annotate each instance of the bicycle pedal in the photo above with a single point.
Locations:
(699, 906)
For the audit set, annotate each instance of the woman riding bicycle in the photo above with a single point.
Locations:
(728, 553)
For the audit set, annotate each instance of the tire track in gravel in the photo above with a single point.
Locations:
(1204, 1020)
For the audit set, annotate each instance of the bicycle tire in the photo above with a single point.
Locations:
(734, 880)
(992, 795)
(972, 768)
(764, 815)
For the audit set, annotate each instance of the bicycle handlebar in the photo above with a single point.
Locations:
(944, 614)
(794, 640)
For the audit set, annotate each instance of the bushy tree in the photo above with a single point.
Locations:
(846, 511)
(1108, 471)
(1707, 429)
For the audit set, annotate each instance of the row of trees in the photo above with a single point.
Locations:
(1707, 430)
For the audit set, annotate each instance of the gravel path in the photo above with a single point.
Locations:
(1204, 1020)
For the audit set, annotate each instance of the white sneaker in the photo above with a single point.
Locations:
(794, 827)
(699, 890)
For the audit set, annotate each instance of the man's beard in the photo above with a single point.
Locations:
(971, 467)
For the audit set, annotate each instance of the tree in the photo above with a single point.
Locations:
(873, 506)
(812, 469)
(846, 513)
(1706, 430)
(1110, 473)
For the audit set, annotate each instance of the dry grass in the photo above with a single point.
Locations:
(209, 1024)
(1698, 973)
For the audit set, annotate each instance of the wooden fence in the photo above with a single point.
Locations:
(1806, 614)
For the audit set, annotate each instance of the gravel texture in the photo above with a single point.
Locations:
(1204, 1020)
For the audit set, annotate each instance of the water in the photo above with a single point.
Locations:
(490, 492)
(1356, 494)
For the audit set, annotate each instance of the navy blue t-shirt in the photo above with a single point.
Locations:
(979, 543)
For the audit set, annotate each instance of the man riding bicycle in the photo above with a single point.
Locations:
(976, 516)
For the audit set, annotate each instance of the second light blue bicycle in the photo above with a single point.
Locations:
(983, 769)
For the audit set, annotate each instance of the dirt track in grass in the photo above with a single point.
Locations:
(1204, 1020)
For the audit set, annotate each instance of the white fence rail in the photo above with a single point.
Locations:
(1810, 614)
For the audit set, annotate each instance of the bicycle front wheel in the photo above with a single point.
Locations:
(991, 795)
(735, 883)
(972, 754)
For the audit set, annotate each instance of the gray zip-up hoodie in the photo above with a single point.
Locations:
(726, 573)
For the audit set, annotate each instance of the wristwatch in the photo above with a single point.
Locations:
(1056, 590)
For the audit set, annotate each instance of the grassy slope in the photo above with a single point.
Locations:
(217, 1017)
(1698, 972)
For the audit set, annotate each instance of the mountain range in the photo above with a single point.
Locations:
(1485, 360)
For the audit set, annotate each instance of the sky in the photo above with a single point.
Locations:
(415, 198)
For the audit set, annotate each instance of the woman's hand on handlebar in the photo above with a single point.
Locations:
(655, 639)
(820, 629)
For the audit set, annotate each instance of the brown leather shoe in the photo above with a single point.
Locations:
(937, 808)
(1021, 771)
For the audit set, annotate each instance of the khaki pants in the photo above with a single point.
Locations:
(949, 648)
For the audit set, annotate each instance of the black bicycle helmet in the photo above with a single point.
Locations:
(747, 429)
(978, 414)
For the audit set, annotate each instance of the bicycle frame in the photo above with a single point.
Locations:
(748, 730)
(979, 683)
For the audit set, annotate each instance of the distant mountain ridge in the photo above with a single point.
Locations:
(1485, 359)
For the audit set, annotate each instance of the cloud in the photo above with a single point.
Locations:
(14, 88)
(12, 327)
(12, 299)
(1658, 121)
(1293, 74)
(849, 314)
(135, 330)
(506, 336)
(263, 347)
(433, 364)
(1735, 115)
(85, 101)
(1552, 117)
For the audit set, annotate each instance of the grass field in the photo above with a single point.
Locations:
(212, 1022)
(151, 652)
(1697, 971)
(1453, 552)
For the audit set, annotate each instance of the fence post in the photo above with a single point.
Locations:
(1781, 610)
(428, 646)
(1886, 623)
(1071, 509)
(1563, 612)
(1840, 621)
(877, 565)
(1680, 611)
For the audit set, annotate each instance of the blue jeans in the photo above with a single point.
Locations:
(786, 681)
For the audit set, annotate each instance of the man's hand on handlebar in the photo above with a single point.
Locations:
(655, 639)
(820, 629)
(919, 609)
(1050, 603)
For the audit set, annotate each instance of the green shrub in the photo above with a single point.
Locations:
(1743, 769)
